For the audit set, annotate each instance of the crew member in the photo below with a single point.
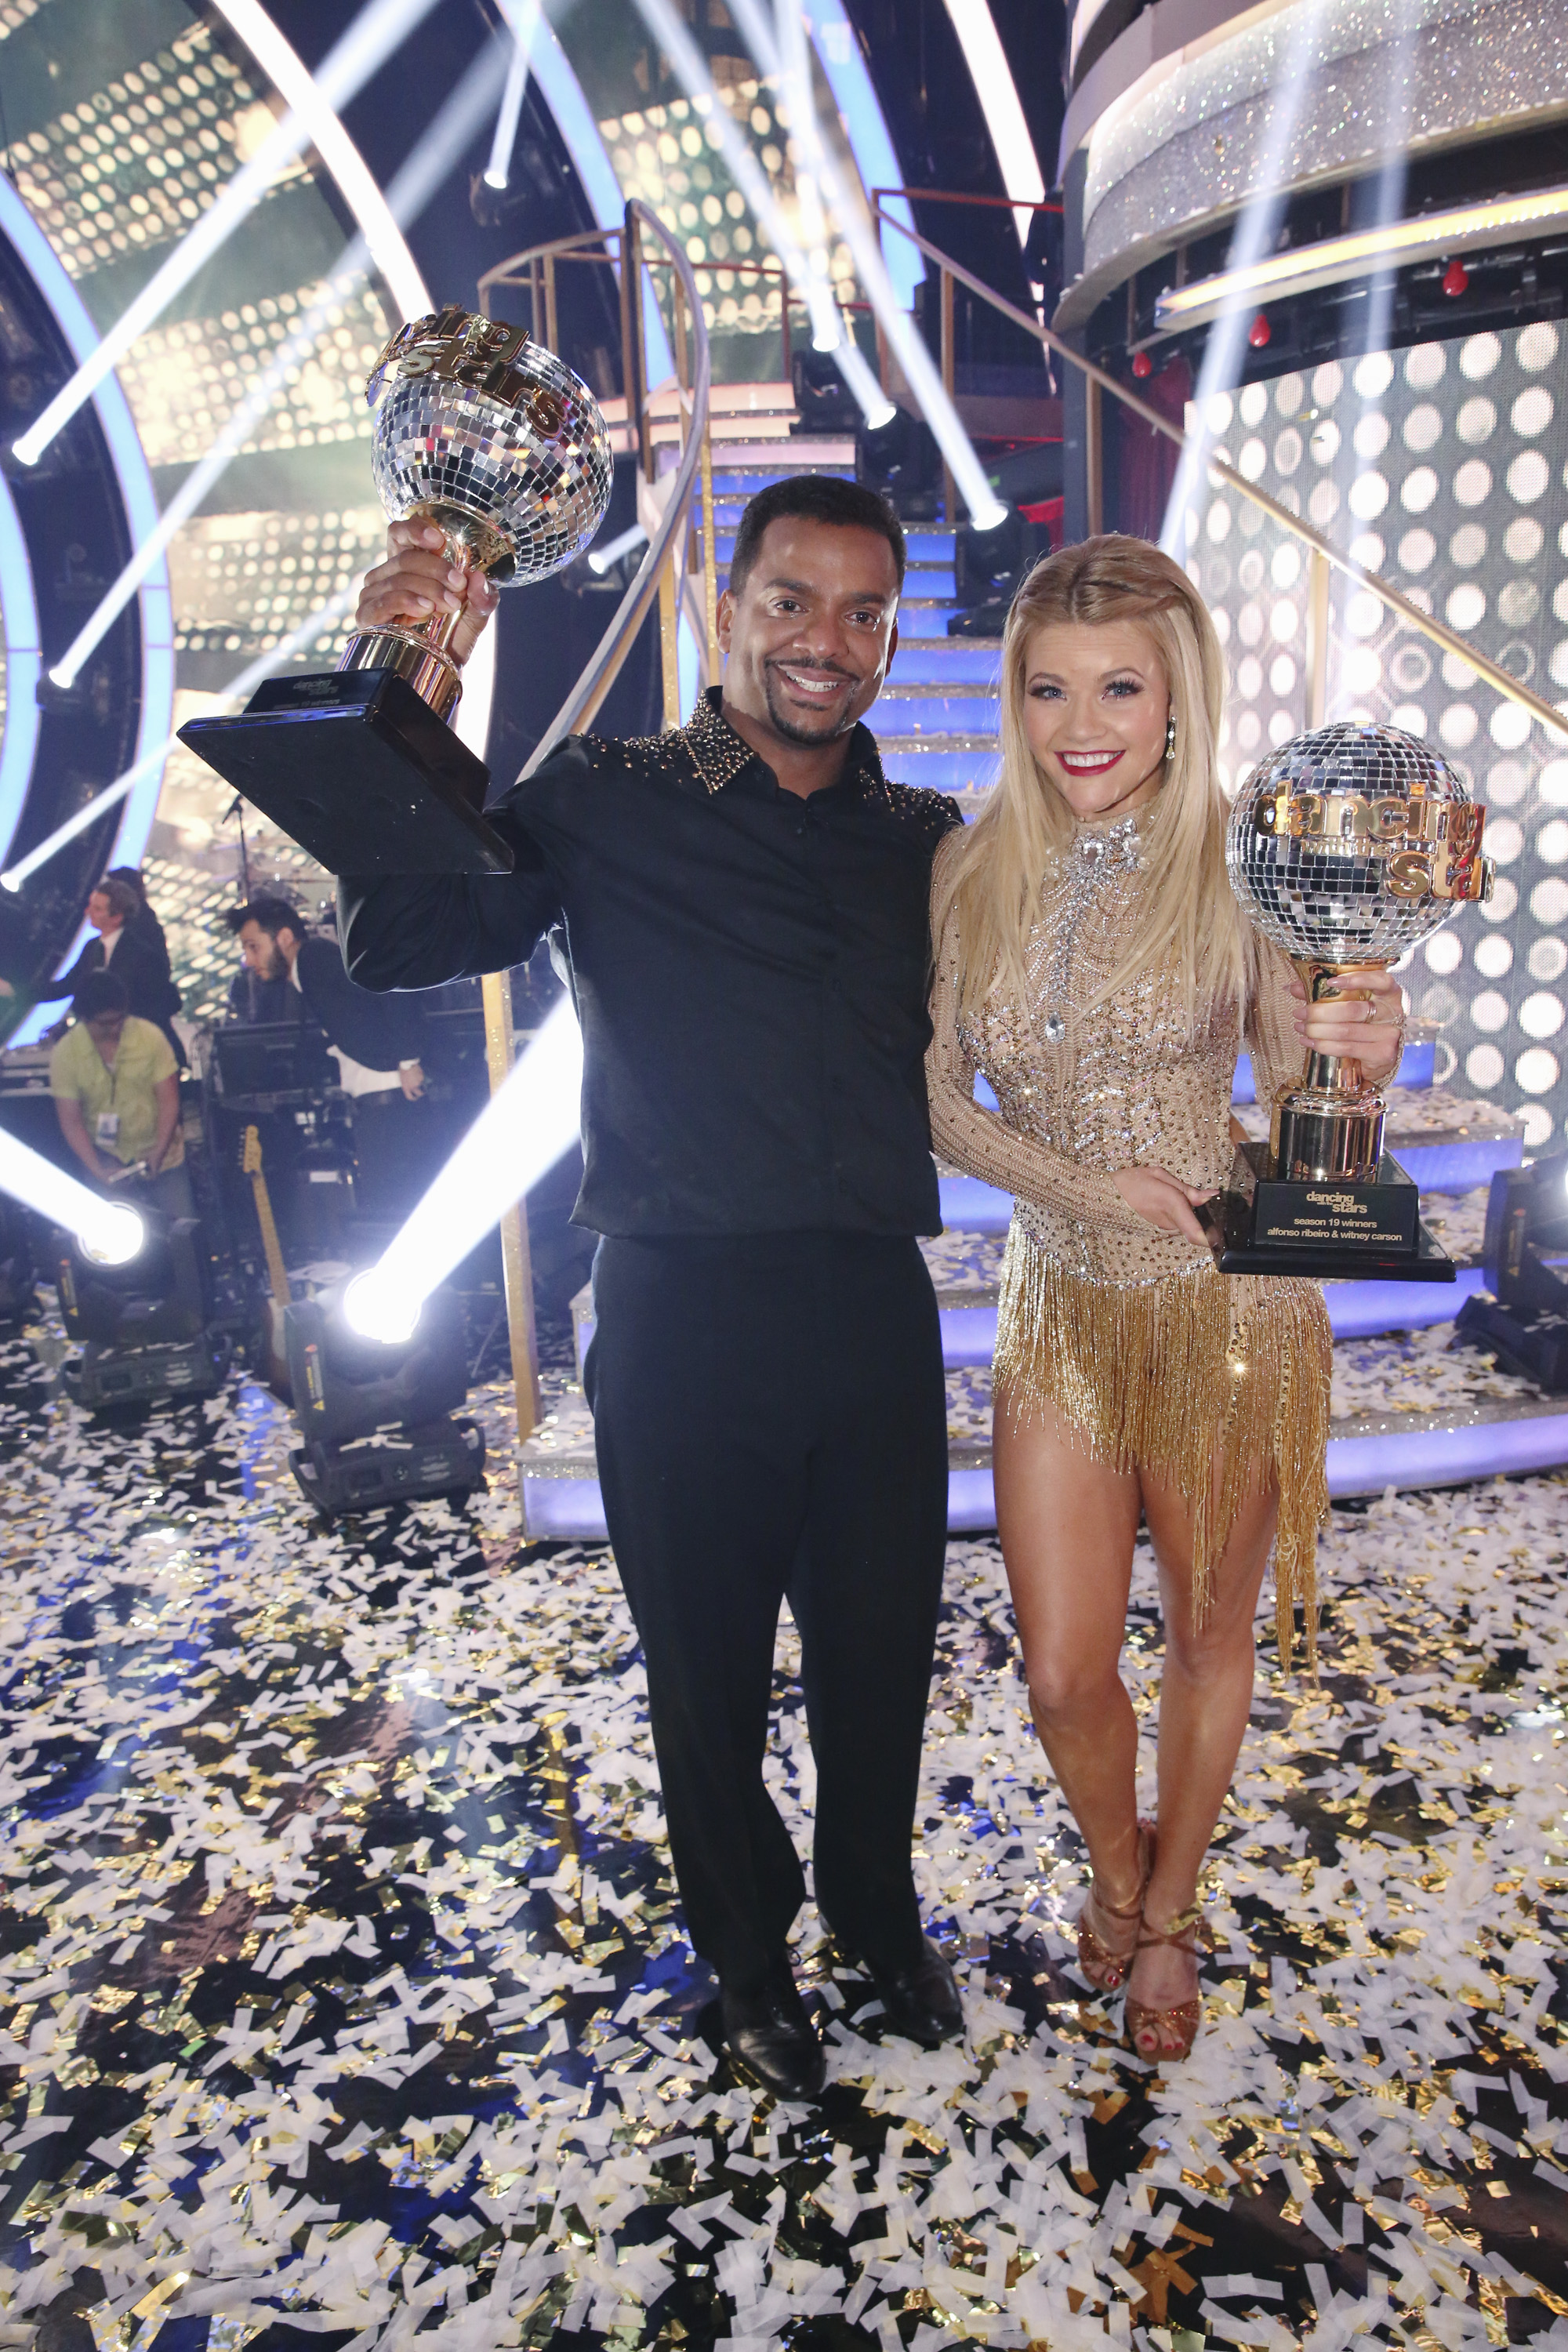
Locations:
(125, 947)
(376, 1041)
(117, 1096)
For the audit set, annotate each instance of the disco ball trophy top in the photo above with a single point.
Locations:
(1346, 846)
(495, 440)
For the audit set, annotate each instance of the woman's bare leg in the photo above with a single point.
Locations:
(1205, 1696)
(1068, 1526)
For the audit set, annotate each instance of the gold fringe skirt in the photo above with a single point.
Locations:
(1218, 1383)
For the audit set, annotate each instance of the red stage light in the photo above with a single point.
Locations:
(1260, 331)
(1143, 364)
(1455, 279)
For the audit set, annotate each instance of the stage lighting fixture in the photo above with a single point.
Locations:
(373, 1405)
(870, 398)
(112, 1229)
(523, 1131)
(1524, 1263)
(134, 1295)
(19, 1264)
(901, 459)
(823, 394)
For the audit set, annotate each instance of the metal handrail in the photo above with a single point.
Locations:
(1323, 550)
(604, 667)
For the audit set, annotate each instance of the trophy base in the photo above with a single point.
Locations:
(1264, 1225)
(359, 771)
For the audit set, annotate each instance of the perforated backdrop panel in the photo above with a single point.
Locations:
(1442, 467)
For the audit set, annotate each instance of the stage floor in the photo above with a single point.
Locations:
(344, 2000)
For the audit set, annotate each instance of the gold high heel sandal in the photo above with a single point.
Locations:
(1178, 2025)
(1101, 1963)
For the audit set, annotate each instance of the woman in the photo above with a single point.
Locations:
(1092, 962)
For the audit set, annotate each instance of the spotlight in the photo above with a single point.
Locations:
(18, 1267)
(133, 1290)
(100, 1225)
(377, 1311)
(1142, 365)
(523, 1130)
(373, 1366)
(121, 1235)
(1524, 1262)
(822, 394)
(1456, 280)
(374, 1392)
(1260, 334)
(900, 459)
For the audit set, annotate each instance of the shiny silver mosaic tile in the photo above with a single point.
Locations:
(1309, 93)
(537, 471)
(1331, 901)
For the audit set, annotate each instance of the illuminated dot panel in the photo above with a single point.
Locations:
(1443, 468)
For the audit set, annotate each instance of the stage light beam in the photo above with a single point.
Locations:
(601, 558)
(240, 690)
(407, 193)
(111, 1232)
(498, 171)
(376, 32)
(674, 38)
(521, 1133)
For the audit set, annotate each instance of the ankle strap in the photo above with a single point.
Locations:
(1181, 1933)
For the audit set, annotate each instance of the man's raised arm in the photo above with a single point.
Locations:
(416, 930)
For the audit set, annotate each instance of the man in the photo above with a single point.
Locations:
(115, 912)
(117, 1096)
(375, 1042)
(745, 906)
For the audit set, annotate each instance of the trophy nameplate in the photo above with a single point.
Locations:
(497, 443)
(1308, 1225)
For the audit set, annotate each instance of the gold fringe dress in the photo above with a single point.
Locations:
(1152, 1358)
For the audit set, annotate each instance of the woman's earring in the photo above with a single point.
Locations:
(1170, 736)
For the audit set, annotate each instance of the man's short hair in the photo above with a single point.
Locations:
(122, 899)
(131, 877)
(100, 993)
(268, 915)
(814, 497)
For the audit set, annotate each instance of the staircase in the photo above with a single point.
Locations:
(1409, 1415)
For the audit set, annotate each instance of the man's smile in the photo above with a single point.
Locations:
(814, 686)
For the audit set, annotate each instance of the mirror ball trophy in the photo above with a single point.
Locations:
(1345, 846)
(495, 440)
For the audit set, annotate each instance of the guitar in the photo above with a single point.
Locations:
(277, 1271)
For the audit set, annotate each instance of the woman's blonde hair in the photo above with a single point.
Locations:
(1190, 921)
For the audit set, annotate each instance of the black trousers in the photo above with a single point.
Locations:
(770, 1417)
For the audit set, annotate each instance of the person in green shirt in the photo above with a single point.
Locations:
(117, 1095)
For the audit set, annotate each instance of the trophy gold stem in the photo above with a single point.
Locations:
(418, 650)
(1327, 1127)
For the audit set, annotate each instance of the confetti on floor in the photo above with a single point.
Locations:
(344, 2000)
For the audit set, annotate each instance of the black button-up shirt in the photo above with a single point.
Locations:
(750, 970)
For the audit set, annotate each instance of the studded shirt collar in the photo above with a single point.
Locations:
(719, 753)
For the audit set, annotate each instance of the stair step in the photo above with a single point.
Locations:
(944, 660)
(749, 464)
(917, 710)
(969, 775)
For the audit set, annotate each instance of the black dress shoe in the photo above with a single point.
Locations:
(921, 2001)
(771, 2034)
